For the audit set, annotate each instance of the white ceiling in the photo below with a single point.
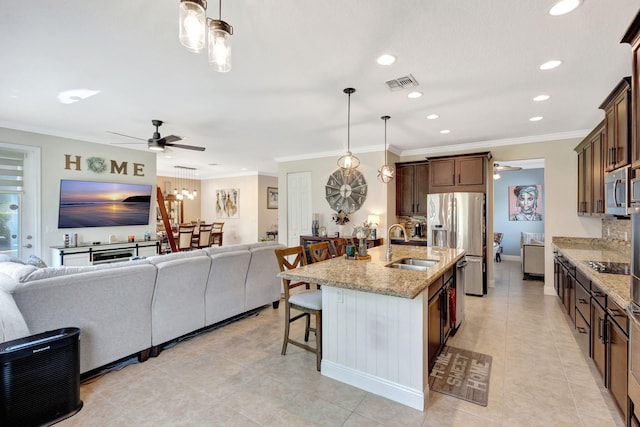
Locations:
(476, 62)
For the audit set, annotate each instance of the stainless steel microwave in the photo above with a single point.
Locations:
(634, 193)
(616, 189)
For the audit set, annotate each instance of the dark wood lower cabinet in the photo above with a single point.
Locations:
(435, 329)
(618, 344)
(598, 336)
(602, 327)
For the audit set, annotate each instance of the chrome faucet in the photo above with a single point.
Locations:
(388, 256)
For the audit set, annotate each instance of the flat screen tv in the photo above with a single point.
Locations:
(103, 204)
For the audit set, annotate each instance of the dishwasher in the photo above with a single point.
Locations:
(460, 287)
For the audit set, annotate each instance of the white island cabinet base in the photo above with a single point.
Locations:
(377, 343)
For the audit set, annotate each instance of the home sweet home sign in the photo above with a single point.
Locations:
(102, 165)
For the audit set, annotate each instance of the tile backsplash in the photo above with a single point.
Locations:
(616, 229)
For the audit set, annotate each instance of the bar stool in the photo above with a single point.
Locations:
(307, 302)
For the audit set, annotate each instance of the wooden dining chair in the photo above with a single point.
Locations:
(216, 233)
(185, 237)
(319, 251)
(308, 303)
(204, 236)
(339, 246)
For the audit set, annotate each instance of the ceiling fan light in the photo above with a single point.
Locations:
(154, 146)
(192, 20)
(220, 45)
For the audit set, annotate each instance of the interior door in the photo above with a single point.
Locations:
(19, 202)
(299, 213)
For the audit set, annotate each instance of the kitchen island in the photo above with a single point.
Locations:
(375, 321)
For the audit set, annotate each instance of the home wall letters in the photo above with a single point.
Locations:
(99, 165)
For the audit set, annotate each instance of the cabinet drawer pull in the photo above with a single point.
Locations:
(581, 329)
(600, 329)
(582, 301)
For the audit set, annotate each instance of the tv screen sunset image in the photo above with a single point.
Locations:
(103, 204)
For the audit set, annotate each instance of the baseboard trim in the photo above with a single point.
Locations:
(376, 385)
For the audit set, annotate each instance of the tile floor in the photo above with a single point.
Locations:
(235, 376)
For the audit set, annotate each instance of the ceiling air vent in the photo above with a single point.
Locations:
(402, 83)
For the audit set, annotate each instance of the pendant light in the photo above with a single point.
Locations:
(220, 43)
(194, 25)
(348, 161)
(386, 172)
(193, 20)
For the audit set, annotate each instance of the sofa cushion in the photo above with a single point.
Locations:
(12, 324)
(213, 250)
(16, 270)
(155, 260)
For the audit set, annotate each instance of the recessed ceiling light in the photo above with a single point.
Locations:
(445, 131)
(549, 65)
(564, 6)
(535, 119)
(432, 116)
(386, 59)
(414, 95)
(541, 98)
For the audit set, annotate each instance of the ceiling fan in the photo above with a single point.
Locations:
(501, 168)
(158, 143)
(497, 168)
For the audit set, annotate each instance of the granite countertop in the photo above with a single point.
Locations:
(373, 276)
(578, 250)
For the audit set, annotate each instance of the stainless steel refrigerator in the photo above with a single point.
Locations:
(457, 220)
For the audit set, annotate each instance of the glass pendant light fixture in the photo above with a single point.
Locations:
(194, 25)
(348, 161)
(386, 172)
(184, 179)
(220, 43)
(193, 20)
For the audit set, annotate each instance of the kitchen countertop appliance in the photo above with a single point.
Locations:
(457, 220)
(418, 230)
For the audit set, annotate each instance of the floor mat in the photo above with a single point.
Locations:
(463, 374)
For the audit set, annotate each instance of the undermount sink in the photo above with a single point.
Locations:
(414, 264)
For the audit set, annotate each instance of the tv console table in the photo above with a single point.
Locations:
(101, 253)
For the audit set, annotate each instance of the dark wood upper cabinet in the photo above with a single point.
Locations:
(632, 36)
(617, 122)
(412, 186)
(465, 173)
(591, 173)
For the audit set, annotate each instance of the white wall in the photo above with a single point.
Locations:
(53, 150)
(254, 218)
(379, 196)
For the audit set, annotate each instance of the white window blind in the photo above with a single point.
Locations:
(11, 168)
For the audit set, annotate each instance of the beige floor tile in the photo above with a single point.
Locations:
(234, 375)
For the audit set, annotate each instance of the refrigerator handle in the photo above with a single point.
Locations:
(454, 223)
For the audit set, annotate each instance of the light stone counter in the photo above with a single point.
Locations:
(579, 250)
(373, 276)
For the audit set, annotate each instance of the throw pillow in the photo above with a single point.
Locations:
(36, 261)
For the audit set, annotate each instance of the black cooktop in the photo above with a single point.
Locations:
(609, 267)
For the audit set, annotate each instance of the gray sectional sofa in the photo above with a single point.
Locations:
(134, 307)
